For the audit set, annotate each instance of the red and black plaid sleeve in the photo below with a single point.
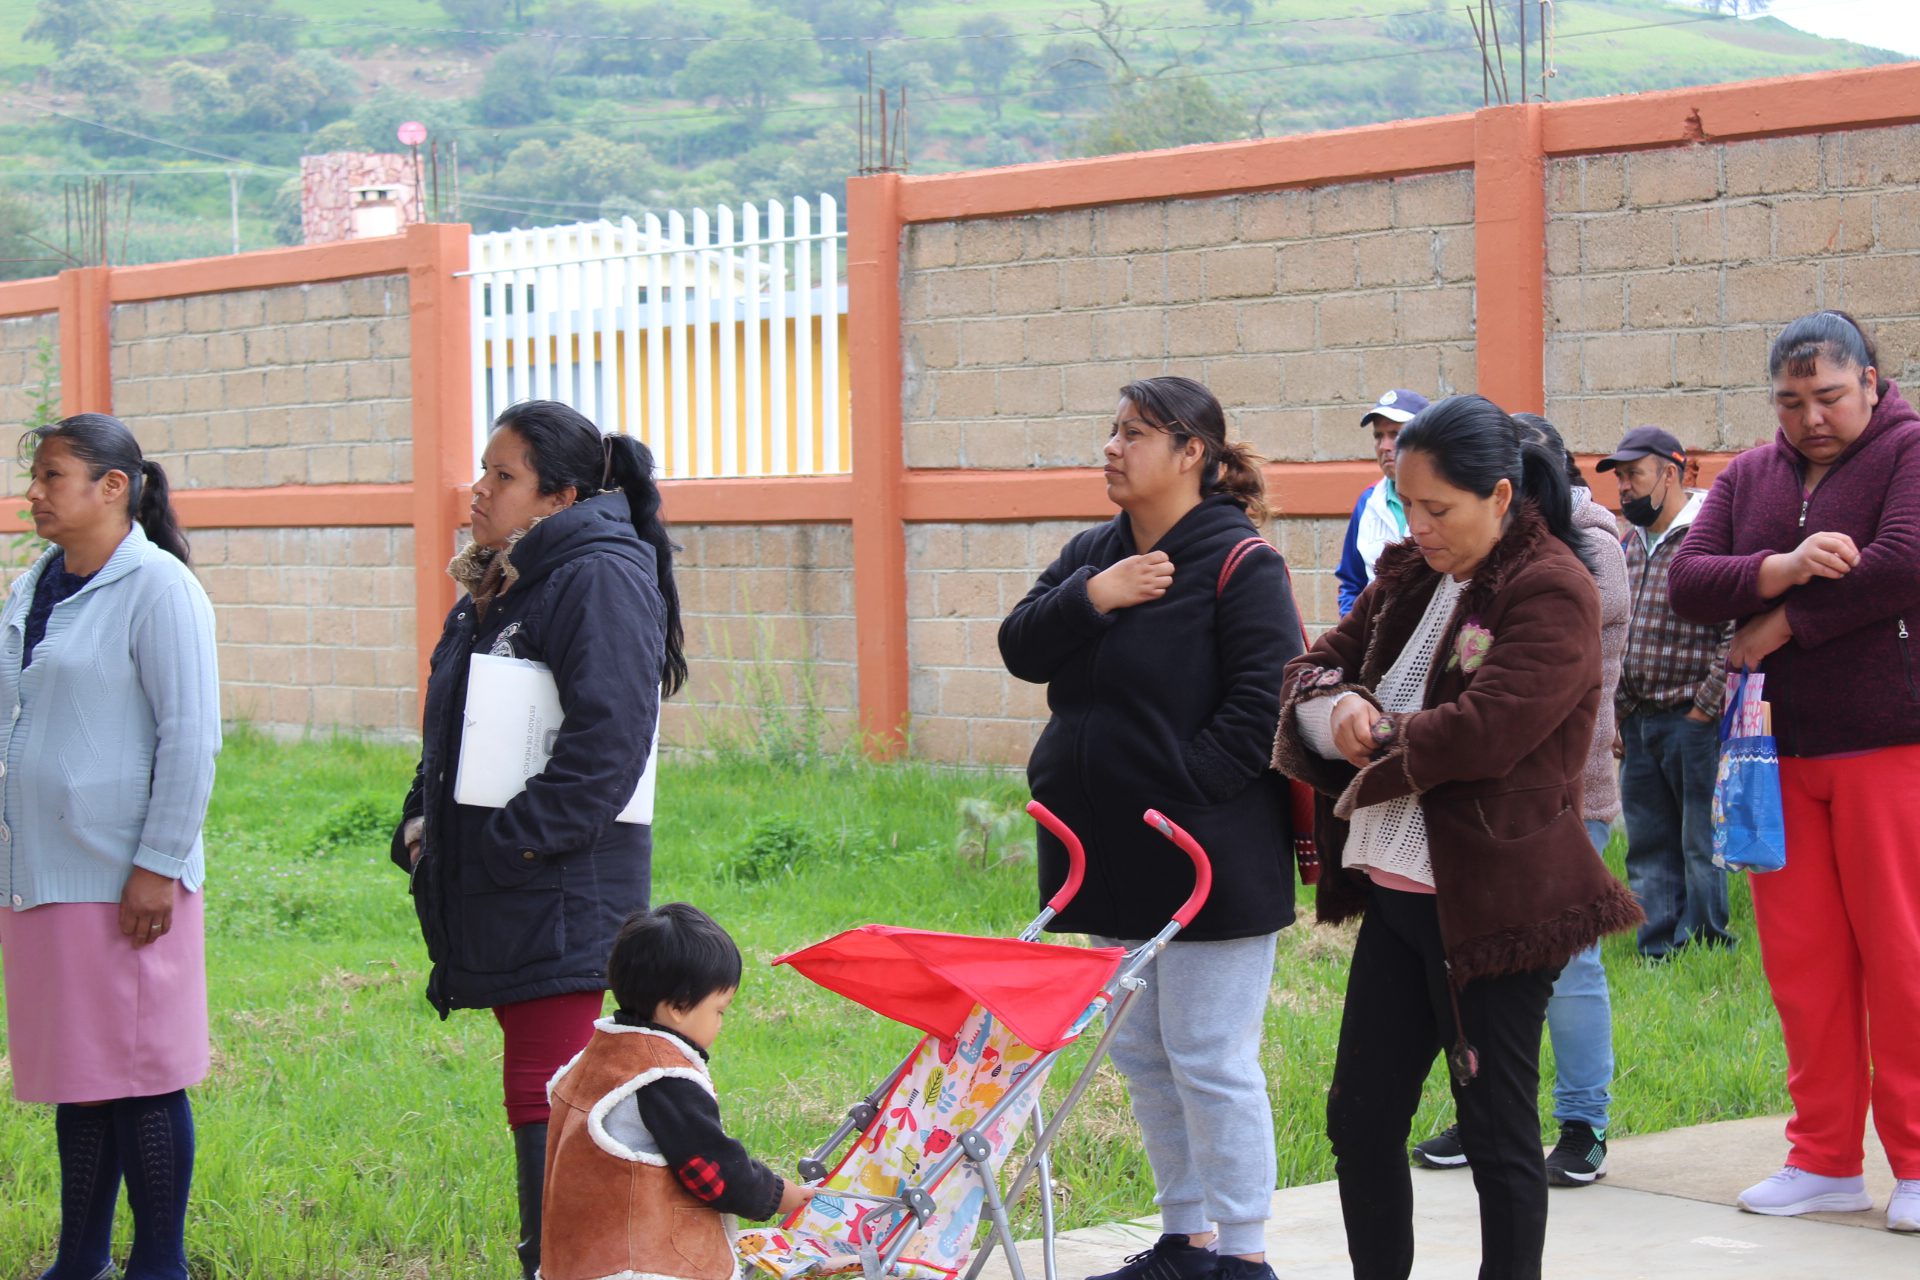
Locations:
(716, 1170)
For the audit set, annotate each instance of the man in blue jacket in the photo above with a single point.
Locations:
(1378, 519)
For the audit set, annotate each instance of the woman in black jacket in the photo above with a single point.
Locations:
(571, 566)
(1162, 637)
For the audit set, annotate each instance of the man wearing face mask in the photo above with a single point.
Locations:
(1672, 683)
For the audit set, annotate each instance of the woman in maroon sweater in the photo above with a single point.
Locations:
(1813, 545)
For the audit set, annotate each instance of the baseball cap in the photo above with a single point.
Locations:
(1643, 442)
(1396, 406)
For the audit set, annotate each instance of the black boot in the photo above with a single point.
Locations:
(530, 1163)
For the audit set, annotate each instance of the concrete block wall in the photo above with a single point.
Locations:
(768, 615)
(20, 342)
(1295, 306)
(315, 627)
(302, 384)
(1669, 273)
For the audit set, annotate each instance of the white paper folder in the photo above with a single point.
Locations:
(512, 719)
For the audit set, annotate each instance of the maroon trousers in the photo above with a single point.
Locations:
(541, 1037)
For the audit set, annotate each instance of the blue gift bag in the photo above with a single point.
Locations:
(1749, 829)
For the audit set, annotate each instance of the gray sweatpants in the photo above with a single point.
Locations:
(1190, 1050)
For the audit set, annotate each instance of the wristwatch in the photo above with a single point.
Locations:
(1383, 730)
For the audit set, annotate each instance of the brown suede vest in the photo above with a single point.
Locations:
(608, 1216)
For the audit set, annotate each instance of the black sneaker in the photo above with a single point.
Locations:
(1442, 1150)
(1579, 1157)
(1232, 1268)
(1171, 1258)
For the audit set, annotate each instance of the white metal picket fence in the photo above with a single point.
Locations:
(718, 340)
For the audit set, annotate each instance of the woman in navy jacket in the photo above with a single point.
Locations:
(1163, 637)
(571, 566)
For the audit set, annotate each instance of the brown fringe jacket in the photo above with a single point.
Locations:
(1496, 754)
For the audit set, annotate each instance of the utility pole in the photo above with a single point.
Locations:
(233, 205)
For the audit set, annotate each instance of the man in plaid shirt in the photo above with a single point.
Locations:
(1672, 683)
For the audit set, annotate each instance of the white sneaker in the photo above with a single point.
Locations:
(1903, 1211)
(1793, 1191)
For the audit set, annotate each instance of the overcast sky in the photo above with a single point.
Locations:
(1885, 24)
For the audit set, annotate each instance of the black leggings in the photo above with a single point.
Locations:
(1398, 1017)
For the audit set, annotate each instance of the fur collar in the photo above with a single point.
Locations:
(486, 573)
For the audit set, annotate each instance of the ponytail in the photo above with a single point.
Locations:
(629, 468)
(569, 452)
(1186, 410)
(1238, 476)
(153, 508)
(1543, 470)
(104, 443)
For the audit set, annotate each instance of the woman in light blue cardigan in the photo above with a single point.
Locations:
(109, 724)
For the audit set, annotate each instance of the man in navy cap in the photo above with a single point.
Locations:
(1672, 682)
(1378, 518)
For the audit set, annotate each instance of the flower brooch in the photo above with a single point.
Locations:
(1319, 678)
(1470, 647)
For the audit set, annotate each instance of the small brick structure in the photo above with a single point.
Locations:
(327, 183)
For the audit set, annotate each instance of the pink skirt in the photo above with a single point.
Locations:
(89, 1018)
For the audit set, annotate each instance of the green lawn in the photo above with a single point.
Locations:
(347, 1131)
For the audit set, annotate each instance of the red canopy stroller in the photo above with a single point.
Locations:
(904, 1200)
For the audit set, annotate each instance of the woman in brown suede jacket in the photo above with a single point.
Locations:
(1446, 724)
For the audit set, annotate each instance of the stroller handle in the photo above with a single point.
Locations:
(1202, 867)
(1076, 854)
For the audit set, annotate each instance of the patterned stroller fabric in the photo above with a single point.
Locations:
(947, 1087)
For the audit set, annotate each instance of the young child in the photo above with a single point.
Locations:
(639, 1169)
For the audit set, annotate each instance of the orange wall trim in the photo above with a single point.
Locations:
(1339, 155)
(279, 507)
(440, 320)
(1871, 98)
(86, 341)
(264, 269)
(879, 460)
(29, 297)
(1510, 256)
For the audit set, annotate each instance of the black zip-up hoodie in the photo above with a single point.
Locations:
(524, 901)
(1170, 705)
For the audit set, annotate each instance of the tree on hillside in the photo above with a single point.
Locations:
(201, 94)
(990, 53)
(1239, 10)
(23, 254)
(1072, 72)
(1736, 7)
(753, 67)
(514, 90)
(261, 22)
(592, 175)
(90, 70)
(847, 30)
(1147, 115)
(488, 15)
(65, 23)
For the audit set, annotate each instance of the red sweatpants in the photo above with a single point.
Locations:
(541, 1037)
(1840, 937)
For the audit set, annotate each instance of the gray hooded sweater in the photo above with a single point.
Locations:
(1601, 533)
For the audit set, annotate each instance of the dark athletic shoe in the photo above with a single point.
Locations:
(1579, 1158)
(1232, 1268)
(1171, 1258)
(1442, 1150)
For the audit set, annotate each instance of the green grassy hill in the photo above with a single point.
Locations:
(565, 109)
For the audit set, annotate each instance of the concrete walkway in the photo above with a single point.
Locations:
(1664, 1212)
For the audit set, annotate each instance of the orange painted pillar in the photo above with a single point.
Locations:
(86, 341)
(440, 315)
(1510, 255)
(879, 460)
